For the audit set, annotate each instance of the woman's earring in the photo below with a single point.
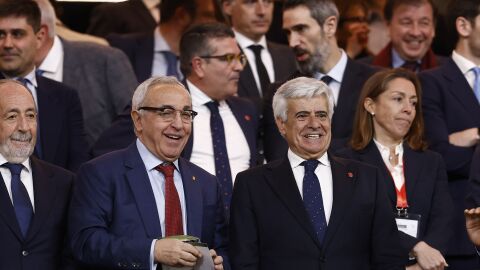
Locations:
(372, 113)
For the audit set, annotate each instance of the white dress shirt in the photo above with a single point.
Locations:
(244, 42)
(52, 65)
(31, 85)
(324, 175)
(25, 176)
(465, 67)
(336, 73)
(397, 170)
(202, 150)
(159, 66)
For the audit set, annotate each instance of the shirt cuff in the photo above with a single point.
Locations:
(153, 265)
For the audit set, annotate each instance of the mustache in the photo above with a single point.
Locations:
(298, 51)
(21, 136)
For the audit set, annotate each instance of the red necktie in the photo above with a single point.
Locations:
(173, 210)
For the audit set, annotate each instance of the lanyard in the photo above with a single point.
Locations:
(402, 203)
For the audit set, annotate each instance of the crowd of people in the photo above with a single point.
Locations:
(181, 126)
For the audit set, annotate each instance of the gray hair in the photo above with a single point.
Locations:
(142, 90)
(320, 10)
(301, 87)
(48, 16)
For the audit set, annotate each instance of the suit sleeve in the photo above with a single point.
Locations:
(77, 140)
(91, 214)
(243, 228)
(387, 251)
(457, 158)
(275, 146)
(473, 198)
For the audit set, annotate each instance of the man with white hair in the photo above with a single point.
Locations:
(34, 194)
(102, 76)
(282, 217)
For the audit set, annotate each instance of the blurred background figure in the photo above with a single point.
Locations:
(388, 134)
(353, 29)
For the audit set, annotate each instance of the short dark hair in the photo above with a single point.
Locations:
(469, 9)
(363, 123)
(391, 5)
(22, 8)
(196, 42)
(168, 7)
(320, 10)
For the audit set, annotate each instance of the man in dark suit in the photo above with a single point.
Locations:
(61, 137)
(132, 16)
(34, 194)
(156, 53)
(451, 96)
(279, 221)
(127, 203)
(102, 75)
(411, 25)
(250, 22)
(310, 26)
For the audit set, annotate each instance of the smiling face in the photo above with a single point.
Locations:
(307, 39)
(307, 128)
(252, 18)
(164, 139)
(412, 30)
(394, 111)
(18, 122)
(18, 45)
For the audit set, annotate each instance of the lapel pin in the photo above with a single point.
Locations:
(247, 117)
(194, 178)
(350, 174)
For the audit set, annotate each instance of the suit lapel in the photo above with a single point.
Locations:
(193, 199)
(460, 88)
(412, 166)
(139, 182)
(142, 13)
(144, 57)
(247, 82)
(280, 178)
(244, 120)
(343, 186)
(45, 194)
(7, 212)
(72, 72)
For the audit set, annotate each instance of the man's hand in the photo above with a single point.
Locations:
(427, 257)
(217, 260)
(174, 252)
(465, 138)
(414, 267)
(472, 217)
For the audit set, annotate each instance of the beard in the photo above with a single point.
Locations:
(14, 153)
(316, 60)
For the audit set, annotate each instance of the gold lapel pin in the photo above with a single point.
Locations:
(194, 178)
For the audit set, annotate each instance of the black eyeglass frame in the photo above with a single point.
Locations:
(192, 113)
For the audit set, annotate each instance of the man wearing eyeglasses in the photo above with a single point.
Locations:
(127, 204)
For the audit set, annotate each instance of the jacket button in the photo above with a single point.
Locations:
(25, 253)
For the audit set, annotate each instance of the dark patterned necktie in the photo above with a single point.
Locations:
(21, 201)
(172, 64)
(411, 65)
(173, 210)
(261, 70)
(222, 163)
(326, 79)
(312, 199)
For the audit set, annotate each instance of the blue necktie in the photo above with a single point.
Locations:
(222, 164)
(312, 199)
(38, 145)
(476, 84)
(21, 201)
(172, 64)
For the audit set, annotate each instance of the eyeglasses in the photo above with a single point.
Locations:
(229, 57)
(168, 113)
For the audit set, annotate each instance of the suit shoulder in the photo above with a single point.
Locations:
(254, 172)
(351, 163)
(48, 84)
(358, 66)
(59, 174)
(243, 103)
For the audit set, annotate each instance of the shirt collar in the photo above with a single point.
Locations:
(25, 163)
(198, 96)
(54, 58)
(244, 41)
(338, 70)
(296, 160)
(385, 151)
(463, 63)
(160, 44)
(150, 160)
(398, 61)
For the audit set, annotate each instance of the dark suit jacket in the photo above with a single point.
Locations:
(284, 65)
(449, 105)
(121, 133)
(125, 17)
(45, 242)
(61, 129)
(473, 199)
(354, 77)
(270, 228)
(427, 192)
(104, 79)
(139, 49)
(113, 218)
